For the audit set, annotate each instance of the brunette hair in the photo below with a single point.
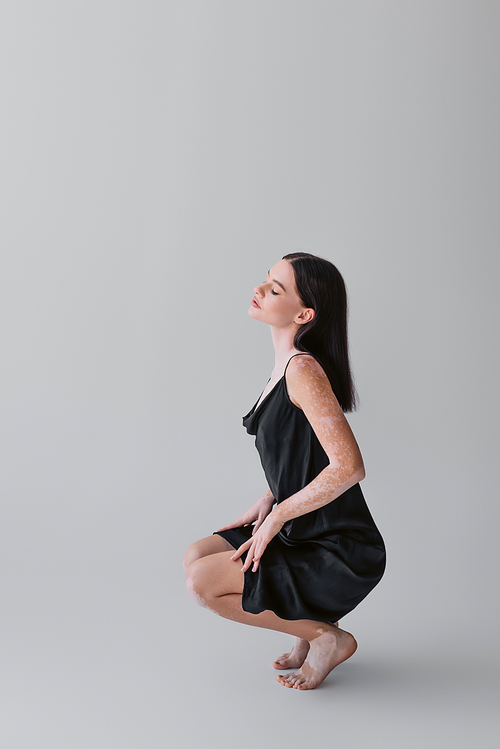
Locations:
(321, 287)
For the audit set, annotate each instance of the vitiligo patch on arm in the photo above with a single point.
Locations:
(309, 389)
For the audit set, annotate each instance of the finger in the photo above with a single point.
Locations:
(256, 556)
(257, 525)
(249, 559)
(240, 551)
(259, 550)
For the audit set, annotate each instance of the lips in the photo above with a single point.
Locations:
(255, 302)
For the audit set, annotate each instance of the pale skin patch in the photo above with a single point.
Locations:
(196, 596)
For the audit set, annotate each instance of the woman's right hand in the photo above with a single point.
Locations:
(257, 513)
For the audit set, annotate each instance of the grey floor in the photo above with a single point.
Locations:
(123, 667)
(102, 648)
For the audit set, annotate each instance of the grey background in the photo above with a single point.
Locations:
(156, 160)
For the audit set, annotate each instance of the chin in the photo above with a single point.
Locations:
(251, 313)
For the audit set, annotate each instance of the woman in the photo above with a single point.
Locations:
(313, 551)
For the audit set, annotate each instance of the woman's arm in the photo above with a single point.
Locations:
(309, 388)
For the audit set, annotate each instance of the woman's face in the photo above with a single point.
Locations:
(276, 300)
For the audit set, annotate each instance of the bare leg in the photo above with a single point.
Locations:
(206, 546)
(215, 544)
(217, 584)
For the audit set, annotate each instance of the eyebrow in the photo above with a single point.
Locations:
(276, 281)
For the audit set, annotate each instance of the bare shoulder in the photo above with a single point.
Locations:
(305, 368)
(306, 380)
(309, 389)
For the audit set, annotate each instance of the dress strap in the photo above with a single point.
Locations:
(303, 353)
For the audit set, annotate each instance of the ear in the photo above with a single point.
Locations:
(305, 316)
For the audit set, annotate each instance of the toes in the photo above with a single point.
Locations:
(296, 680)
(301, 683)
(281, 661)
(282, 680)
(310, 684)
(282, 658)
(285, 661)
(287, 679)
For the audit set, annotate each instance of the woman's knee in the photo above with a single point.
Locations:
(191, 555)
(202, 548)
(197, 581)
(195, 551)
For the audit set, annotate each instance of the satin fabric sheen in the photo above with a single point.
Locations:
(321, 564)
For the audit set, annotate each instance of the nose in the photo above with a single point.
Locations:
(259, 290)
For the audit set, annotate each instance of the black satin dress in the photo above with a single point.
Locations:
(321, 564)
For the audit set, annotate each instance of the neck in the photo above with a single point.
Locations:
(283, 346)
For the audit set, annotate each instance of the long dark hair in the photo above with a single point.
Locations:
(321, 287)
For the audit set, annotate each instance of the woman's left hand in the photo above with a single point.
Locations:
(256, 545)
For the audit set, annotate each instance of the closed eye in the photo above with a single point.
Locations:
(275, 293)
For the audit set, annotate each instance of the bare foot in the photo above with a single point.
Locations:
(326, 652)
(296, 657)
